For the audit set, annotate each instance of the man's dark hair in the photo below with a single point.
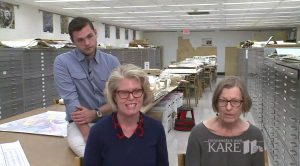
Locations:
(77, 24)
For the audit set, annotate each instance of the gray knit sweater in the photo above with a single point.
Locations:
(208, 149)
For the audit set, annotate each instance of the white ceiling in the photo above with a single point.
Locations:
(171, 15)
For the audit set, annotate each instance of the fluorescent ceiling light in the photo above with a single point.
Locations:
(285, 12)
(160, 16)
(248, 9)
(117, 17)
(292, 7)
(249, 3)
(69, 0)
(127, 20)
(163, 11)
(121, 7)
(238, 14)
(204, 21)
(105, 13)
(182, 5)
(146, 12)
(171, 19)
(214, 18)
(242, 18)
(82, 8)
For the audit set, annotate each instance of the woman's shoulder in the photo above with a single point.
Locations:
(199, 128)
(254, 129)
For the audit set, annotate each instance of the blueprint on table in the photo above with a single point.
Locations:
(48, 123)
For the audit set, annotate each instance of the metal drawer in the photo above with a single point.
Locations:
(287, 71)
(11, 55)
(11, 108)
(10, 81)
(9, 69)
(11, 93)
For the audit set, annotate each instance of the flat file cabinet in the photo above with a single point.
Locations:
(287, 114)
(26, 80)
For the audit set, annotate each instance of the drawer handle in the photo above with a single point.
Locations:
(294, 136)
(294, 127)
(292, 106)
(293, 119)
(291, 73)
(293, 90)
(294, 144)
(293, 98)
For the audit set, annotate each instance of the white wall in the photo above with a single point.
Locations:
(220, 39)
(112, 41)
(29, 25)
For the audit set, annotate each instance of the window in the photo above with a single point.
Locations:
(134, 34)
(107, 31)
(126, 34)
(117, 33)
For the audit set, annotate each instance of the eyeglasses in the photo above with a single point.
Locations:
(233, 103)
(124, 94)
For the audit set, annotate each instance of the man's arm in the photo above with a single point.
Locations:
(106, 109)
(65, 86)
(83, 116)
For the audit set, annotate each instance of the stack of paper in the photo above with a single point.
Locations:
(12, 154)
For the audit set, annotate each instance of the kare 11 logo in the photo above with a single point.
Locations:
(238, 146)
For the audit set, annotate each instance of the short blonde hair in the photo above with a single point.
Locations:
(127, 71)
(230, 82)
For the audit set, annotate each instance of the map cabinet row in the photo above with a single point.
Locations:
(26, 75)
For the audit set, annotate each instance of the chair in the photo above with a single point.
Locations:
(78, 161)
(194, 86)
(190, 83)
(181, 159)
(266, 158)
(214, 73)
(207, 77)
(184, 87)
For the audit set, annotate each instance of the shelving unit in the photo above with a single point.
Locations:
(26, 75)
(275, 89)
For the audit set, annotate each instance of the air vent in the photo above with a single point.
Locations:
(197, 13)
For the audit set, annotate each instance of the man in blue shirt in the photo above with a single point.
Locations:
(80, 77)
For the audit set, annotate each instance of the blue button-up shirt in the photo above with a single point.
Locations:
(80, 83)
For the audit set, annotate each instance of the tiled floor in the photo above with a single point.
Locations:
(177, 140)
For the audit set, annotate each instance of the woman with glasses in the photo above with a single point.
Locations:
(227, 139)
(127, 136)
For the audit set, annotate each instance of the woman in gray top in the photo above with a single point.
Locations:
(227, 139)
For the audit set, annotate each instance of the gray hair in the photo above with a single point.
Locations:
(230, 82)
(127, 71)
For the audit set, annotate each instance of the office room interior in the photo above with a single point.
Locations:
(169, 35)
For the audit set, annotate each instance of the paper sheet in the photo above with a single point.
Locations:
(12, 154)
(48, 123)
